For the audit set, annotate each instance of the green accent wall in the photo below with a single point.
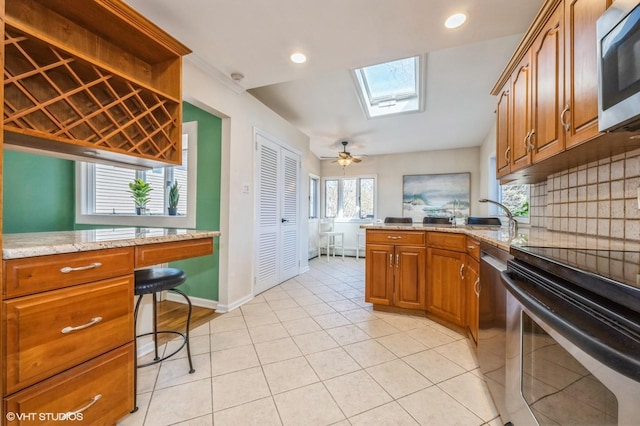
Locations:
(38, 193)
(202, 272)
(39, 196)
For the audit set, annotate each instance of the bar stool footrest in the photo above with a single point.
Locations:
(155, 361)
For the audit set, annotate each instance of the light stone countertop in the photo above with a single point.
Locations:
(15, 246)
(526, 236)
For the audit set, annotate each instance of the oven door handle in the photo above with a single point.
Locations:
(613, 347)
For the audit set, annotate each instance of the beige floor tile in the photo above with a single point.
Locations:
(265, 333)
(179, 403)
(430, 337)
(357, 392)
(274, 294)
(310, 405)
(230, 360)
(401, 344)
(398, 379)
(200, 330)
(311, 299)
(283, 304)
(262, 412)
(199, 345)
(291, 313)
(289, 374)
(147, 377)
(391, 414)
(299, 291)
(176, 372)
(220, 324)
(472, 392)
(318, 309)
(257, 299)
(347, 334)
(432, 406)
(461, 353)
(358, 315)
(434, 366)
(230, 390)
(369, 353)
(332, 363)
(254, 308)
(198, 421)
(343, 305)
(331, 320)
(330, 296)
(377, 328)
(230, 339)
(314, 342)
(301, 326)
(277, 350)
(403, 322)
(257, 319)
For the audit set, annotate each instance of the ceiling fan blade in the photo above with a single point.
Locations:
(355, 160)
(343, 154)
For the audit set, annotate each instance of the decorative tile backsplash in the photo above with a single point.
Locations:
(599, 198)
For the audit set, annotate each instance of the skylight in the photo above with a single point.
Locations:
(390, 88)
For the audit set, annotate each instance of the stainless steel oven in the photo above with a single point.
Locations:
(618, 32)
(573, 337)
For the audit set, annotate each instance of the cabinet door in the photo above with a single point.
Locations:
(547, 133)
(410, 277)
(581, 73)
(379, 270)
(503, 127)
(521, 112)
(472, 280)
(445, 285)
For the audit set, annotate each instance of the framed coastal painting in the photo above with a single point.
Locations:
(439, 195)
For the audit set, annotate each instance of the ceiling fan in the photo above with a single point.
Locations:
(345, 158)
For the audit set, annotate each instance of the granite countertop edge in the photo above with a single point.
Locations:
(16, 246)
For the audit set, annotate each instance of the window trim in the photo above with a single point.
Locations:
(316, 201)
(340, 195)
(85, 187)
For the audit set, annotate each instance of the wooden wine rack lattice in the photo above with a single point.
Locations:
(52, 94)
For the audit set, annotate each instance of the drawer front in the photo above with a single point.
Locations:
(50, 332)
(103, 387)
(447, 241)
(36, 274)
(153, 254)
(473, 248)
(413, 238)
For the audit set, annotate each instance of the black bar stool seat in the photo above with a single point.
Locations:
(152, 281)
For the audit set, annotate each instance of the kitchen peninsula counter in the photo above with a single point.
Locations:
(526, 236)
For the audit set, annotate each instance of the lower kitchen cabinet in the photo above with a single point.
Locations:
(446, 285)
(396, 274)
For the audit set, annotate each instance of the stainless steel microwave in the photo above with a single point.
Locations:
(618, 32)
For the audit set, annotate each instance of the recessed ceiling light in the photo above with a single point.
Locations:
(454, 21)
(299, 58)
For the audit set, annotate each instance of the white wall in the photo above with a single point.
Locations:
(241, 113)
(390, 169)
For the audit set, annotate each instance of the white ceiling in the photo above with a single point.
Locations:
(256, 37)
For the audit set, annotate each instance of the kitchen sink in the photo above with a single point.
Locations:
(483, 222)
(436, 221)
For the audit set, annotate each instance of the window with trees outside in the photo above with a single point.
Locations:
(516, 198)
(349, 198)
(104, 196)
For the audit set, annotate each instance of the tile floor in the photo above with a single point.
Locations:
(310, 351)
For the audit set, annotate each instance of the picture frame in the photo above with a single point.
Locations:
(436, 195)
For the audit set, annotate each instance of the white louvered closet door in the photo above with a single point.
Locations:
(277, 200)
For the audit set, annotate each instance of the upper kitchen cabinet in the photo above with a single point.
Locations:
(551, 104)
(94, 79)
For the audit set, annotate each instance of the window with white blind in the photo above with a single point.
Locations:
(103, 195)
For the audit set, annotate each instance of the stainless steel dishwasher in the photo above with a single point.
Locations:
(492, 322)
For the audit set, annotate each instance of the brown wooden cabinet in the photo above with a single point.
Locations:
(472, 282)
(49, 332)
(446, 258)
(551, 104)
(581, 73)
(395, 273)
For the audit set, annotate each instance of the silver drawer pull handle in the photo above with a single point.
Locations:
(93, 321)
(471, 247)
(394, 237)
(86, 407)
(68, 269)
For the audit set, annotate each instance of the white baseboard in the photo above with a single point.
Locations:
(195, 301)
(228, 308)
